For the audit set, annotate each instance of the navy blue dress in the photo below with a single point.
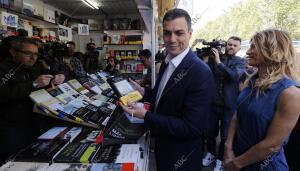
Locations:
(254, 115)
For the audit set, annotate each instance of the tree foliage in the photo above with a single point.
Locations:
(245, 18)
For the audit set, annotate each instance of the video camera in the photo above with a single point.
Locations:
(207, 50)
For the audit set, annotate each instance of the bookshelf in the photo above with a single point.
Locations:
(38, 20)
(125, 46)
(124, 32)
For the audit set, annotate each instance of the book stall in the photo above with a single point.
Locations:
(104, 138)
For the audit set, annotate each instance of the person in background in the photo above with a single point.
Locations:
(227, 70)
(73, 67)
(79, 56)
(268, 108)
(145, 55)
(42, 54)
(20, 75)
(159, 58)
(22, 33)
(90, 60)
(54, 58)
(180, 100)
(112, 66)
(71, 46)
(5, 47)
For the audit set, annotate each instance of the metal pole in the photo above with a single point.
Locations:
(153, 43)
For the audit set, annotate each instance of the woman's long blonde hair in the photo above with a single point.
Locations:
(276, 49)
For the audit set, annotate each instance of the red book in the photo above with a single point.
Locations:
(139, 67)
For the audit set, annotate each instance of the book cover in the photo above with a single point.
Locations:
(91, 116)
(139, 67)
(77, 152)
(78, 87)
(119, 129)
(60, 95)
(41, 150)
(48, 145)
(98, 80)
(106, 154)
(92, 86)
(53, 105)
(124, 90)
(40, 96)
(33, 166)
(103, 74)
(66, 88)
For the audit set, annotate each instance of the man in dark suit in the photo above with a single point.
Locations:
(180, 100)
(227, 70)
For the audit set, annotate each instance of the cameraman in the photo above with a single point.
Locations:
(227, 70)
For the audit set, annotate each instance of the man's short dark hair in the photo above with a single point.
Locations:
(71, 43)
(146, 53)
(19, 42)
(177, 13)
(236, 38)
(90, 43)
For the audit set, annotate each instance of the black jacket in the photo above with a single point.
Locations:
(19, 126)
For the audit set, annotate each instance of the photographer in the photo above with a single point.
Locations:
(227, 70)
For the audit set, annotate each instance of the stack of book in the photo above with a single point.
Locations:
(64, 148)
(90, 101)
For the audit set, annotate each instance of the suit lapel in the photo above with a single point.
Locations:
(178, 74)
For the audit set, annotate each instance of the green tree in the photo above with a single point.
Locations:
(245, 18)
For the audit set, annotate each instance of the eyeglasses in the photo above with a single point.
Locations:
(28, 53)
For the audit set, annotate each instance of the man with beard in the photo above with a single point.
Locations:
(227, 70)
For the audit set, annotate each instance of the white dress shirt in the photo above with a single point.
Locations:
(172, 65)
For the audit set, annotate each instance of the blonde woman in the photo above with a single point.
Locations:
(268, 108)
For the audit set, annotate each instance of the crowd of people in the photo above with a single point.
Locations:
(252, 103)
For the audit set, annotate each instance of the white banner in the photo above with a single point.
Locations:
(64, 33)
(83, 29)
(9, 19)
(49, 15)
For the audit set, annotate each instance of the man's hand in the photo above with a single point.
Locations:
(216, 55)
(58, 79)
(205, 58)
(230, 166)
(43, 80)
(137, 87)
(135, 109)
(228, 155)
